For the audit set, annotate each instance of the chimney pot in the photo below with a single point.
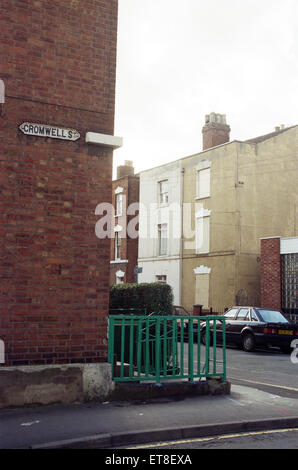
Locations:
(125, 170)
(215, 131)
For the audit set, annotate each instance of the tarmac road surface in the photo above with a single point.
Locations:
(265, 369)
(269, 439)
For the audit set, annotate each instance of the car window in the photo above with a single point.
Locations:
(243, 314)
(253, 316)
(272, 316)
(231, 313)
(180, 311)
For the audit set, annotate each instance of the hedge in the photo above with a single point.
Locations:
(153, 297)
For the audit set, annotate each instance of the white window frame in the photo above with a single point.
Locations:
(162, 278)
(118, 190)
(118, 243)
(119, 204)
(120, 277)
(163, 195)
(162, 239)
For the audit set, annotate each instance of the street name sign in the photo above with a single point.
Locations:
(45, 130)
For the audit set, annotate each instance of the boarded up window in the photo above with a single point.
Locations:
(202, 290)
(202, 234)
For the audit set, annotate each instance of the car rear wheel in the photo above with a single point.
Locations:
(248, 342)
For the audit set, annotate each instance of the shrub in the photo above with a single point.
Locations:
(146, 298)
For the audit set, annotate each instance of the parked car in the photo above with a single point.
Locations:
(180, 311)
(250, 327)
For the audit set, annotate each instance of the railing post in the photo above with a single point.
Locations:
(165, 346)
(224, 349)
(139, 348)
(190, 350)
(157, 351)
(181, 346)
(199, 347)
(214, 346)
(131, 347)
(111, 336)
(147, 354)
(174, 343)
(207, 347)
(122, 347)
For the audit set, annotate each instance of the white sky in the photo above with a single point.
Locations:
(181, 59)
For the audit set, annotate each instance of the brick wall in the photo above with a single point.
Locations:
(271, 273)
(58, 62)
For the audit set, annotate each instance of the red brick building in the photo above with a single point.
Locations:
(124, 244)
(58, 61)
(279, 273)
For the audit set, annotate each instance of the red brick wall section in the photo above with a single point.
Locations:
(271, 273)
(132, 243)
(129, 246)
(58, 62)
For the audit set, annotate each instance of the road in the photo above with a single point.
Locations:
(270, 439)
(269, 369)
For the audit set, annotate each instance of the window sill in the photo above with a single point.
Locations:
(197, 198)
(116, 261)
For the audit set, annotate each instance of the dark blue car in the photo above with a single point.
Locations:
(250, 327)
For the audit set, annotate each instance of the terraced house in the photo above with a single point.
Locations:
(234, 194)
(124, 241)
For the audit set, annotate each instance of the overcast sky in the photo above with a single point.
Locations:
(181, 59)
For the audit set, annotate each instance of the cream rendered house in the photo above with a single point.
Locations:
(238, 192)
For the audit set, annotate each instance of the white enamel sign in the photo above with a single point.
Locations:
(45, 130)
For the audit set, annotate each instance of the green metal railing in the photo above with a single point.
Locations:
(156, 348)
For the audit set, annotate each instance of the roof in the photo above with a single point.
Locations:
(255, 140)
(135, 175)
(261, 138)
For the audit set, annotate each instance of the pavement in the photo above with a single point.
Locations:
(121, 424)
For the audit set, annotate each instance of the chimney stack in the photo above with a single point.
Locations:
(215, 131)
(125, 170)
